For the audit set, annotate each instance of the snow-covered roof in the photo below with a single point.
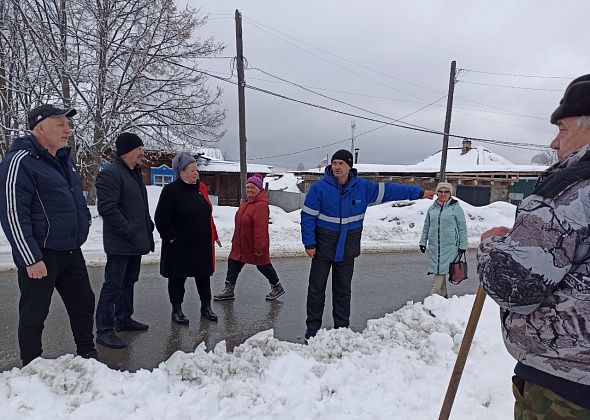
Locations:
(477, 159)
(227, 166)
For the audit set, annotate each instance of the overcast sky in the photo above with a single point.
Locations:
(392, 58)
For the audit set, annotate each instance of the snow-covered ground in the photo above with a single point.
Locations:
(387, 227)
(397, 368)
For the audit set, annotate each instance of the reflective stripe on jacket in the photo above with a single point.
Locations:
(341, 208)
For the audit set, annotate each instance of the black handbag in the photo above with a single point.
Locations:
(458, 269)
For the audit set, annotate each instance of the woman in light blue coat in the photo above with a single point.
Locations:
(445, 233)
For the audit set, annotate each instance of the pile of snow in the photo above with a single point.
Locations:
(287, 182)
(387, 227)
(398, 367)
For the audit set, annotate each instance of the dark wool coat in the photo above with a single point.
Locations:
(123, 204)
(185, 222)
(251, 232)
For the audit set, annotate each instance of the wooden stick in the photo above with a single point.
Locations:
(445, 411)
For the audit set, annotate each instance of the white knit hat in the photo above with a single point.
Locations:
(444, 185)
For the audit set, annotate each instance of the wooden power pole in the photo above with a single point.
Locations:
(443, 159)
(241, 104)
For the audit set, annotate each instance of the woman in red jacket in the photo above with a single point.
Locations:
(185, 222)
(250, 243)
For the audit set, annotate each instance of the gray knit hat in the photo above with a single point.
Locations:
(181, 161)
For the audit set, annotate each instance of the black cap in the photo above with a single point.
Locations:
(126, 142)
(36, 115)
(575, 101)
(344, 155)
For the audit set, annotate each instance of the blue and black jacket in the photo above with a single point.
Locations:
(41, 202)
(332, 217)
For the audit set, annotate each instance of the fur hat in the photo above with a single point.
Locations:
(445, 185)
(255, 180)
(575, 101)
(344, 155)
(127, 142)
(181, 161)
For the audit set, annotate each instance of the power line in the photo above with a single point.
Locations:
(509, 87)
(343, 58)
(530, 146)
(331, 62)
(346, 139)
(338, 100)
(517, 75)
(387, 98)
(407, 126)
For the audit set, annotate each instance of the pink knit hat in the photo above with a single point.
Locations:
(255, 180)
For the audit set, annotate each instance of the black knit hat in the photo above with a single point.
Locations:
(344, 155)
(575, 101)
(126, 142)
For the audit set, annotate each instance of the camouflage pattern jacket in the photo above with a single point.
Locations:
(539, 273)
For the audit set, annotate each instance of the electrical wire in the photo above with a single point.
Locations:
(508, 86)
(517, 75)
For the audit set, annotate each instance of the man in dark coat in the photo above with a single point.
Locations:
(127, 235)
(46, 220)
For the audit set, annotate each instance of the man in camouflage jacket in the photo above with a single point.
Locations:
(539, 274)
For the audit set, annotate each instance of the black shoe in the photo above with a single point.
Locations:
(90, 355)
(110, 339)
(131, 325)
(309, 333)
(207, 312)
(275, 291)
(178, 316)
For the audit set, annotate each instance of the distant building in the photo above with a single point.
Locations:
(478, 175)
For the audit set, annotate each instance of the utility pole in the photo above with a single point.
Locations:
(241, 104)
(443, 159)
(352, 128)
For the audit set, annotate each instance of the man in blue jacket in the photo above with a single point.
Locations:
(331, 228)
(45, 218)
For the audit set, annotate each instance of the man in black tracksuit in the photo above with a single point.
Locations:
(45, 218)
(127, 235)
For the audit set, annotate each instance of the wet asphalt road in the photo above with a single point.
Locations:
(382, 283)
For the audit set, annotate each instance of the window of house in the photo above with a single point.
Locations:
(162, 180)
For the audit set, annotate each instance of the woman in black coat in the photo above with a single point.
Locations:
(185, 222)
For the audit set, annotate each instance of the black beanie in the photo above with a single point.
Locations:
(344, 155)
(126, 142)
(575, 101)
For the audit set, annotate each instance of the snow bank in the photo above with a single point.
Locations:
(398, 367)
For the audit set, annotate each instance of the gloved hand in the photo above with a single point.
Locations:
(461, 251)
(422, 249)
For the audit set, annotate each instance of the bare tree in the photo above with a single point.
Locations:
(125, 65)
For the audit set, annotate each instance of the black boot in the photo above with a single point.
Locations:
(177, 315)
(110, 339)
(207, 312)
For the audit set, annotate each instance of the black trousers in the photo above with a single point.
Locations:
(176, 289)
(66, 273)
(316, 292)
(234, 267)
(115, 302)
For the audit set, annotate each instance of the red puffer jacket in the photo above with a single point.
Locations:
(251, 232)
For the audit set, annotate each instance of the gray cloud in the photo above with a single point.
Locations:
(413, 41)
